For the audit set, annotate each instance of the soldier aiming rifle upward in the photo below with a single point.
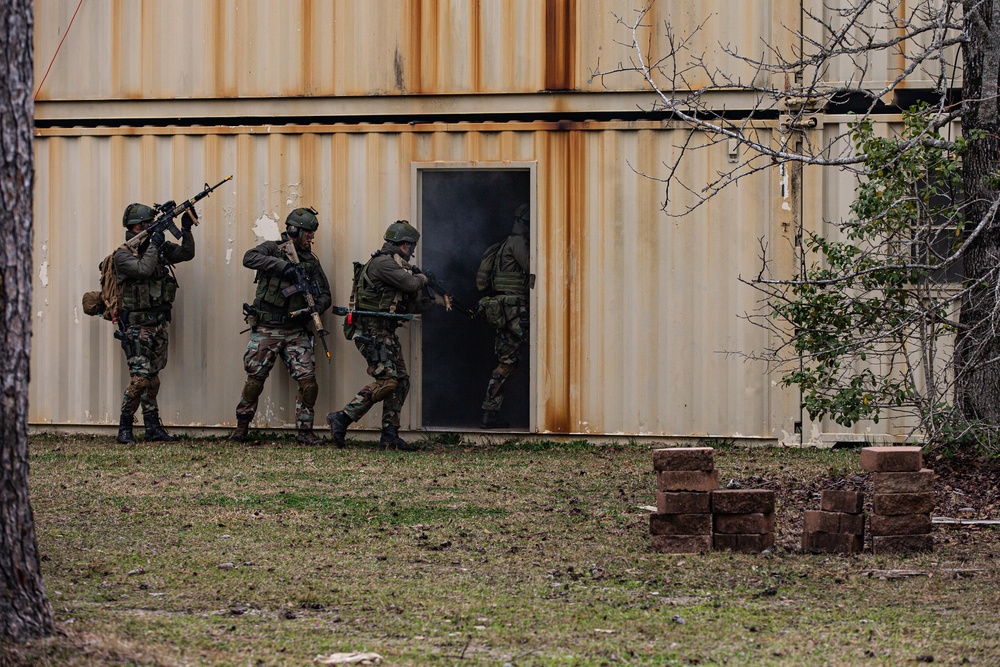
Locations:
(164, 220)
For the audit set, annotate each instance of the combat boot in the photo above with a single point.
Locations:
(338, 421)
(390, 440)
(305, 436)
(242, 432)
(125, 429)
(154, 429)
(493, 419)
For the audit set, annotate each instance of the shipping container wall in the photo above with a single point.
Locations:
(193, 50)
(636, 315)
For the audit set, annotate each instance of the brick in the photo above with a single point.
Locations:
(815, 521)
(747, 524)
(742, 501)
(903, 503)
(680, 524)
(687, 480)
(682, 544)
(683, 502)
(892, 459)
(838, 543)
(899, 524)
(883, 544)
(684, 458)
(851, 502)
(903, 482)
(742, 543)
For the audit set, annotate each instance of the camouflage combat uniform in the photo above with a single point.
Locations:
(509, 286)
(277, 334)
(148, 289)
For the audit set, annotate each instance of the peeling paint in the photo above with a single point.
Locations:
(43, 274)
(266, 228)
(229, 256)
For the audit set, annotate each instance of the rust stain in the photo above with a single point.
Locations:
(306, 49)
(475, 47)
(560, 44)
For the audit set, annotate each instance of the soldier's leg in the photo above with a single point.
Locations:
(299, 356)
(258, 360)
(507, 346)
(392, 405)
(139, 370)
(380, 369)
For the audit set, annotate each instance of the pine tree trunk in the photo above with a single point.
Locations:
(24, 611)
(978, 346)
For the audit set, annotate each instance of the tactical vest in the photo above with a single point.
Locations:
(377, 297)
(273, 307)
(148, 300)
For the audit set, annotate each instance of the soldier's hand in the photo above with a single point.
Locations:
(189, 219)
(423, 277)
(289, 272)
(157, 238)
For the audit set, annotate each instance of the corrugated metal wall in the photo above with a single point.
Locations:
(166, 49)
(634, 311)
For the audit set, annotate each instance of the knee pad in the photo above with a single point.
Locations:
(308, 390)
(252, 389)
(384, 388)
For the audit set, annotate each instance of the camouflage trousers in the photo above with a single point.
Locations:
(146, 355)
(294, 345)
(391, 384)
(508, 345)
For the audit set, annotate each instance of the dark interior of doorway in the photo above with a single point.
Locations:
(463, 212)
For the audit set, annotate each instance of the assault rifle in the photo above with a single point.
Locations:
(350, 314)
(164, 222)
(450, 302)
(308, 287)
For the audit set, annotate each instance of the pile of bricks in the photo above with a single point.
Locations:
(685, 479)
(902, 499)
(838, 526)
(742, 520)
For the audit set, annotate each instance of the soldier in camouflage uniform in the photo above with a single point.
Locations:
(387, 283)
(148, 289)
(506, 309)
(275, 331)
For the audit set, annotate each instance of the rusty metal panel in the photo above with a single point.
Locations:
(635, 311)
(273, 49)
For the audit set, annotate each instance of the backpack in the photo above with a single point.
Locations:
(487, 267)
(108, 302)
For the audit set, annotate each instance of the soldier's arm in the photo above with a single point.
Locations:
(384, 268)
(266, 257)
(175, 254)
(128, 266)
(519, 249)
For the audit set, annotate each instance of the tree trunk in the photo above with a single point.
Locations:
(24, 611)
(978, 344)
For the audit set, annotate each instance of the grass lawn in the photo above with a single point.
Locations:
(201, 552)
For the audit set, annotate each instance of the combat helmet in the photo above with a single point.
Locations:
(401, 231)
(304, 219)
(137, 214)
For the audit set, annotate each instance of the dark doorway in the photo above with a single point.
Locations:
(463, 212)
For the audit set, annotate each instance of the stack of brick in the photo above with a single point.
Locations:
(742, 520)
(838, 526)
(685, 478)
(902, 499)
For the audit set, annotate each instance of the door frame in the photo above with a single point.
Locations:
(417, 169)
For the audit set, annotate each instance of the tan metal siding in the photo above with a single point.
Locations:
(634, 310)
(190, 49)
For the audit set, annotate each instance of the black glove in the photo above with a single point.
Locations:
(188, 219)
(157, 238)
(289, 273)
